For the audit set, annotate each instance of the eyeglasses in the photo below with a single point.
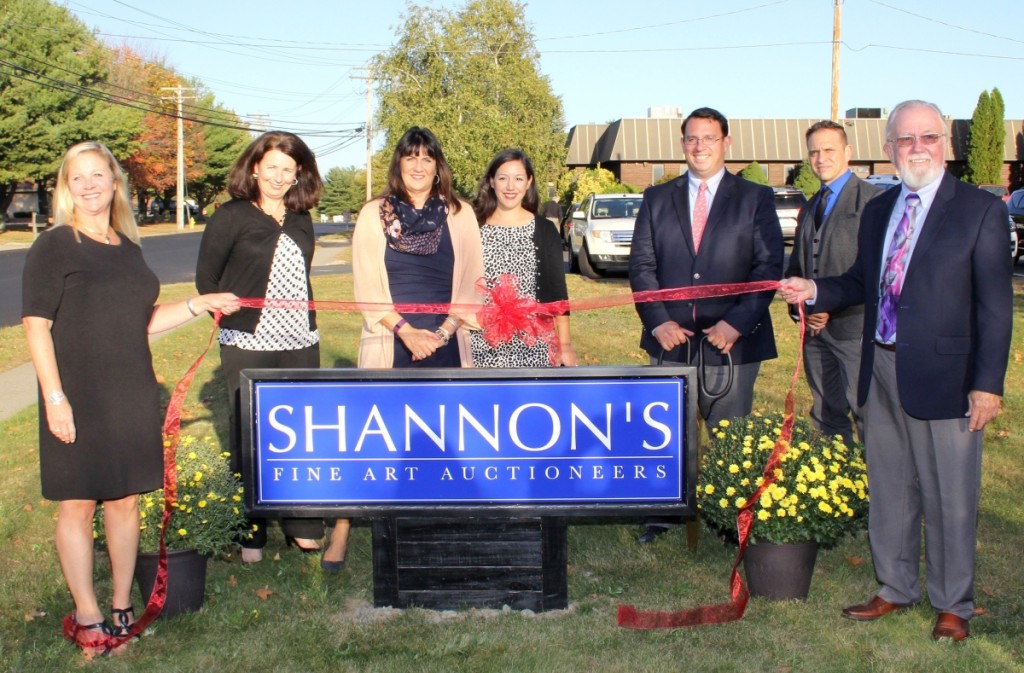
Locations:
(709, 141)
(926, 139)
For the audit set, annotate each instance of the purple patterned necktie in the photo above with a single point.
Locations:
(895, 268)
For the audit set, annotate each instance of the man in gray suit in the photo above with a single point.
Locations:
(826, 245)
(936, 283)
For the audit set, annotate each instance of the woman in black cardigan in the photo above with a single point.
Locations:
(260, 244)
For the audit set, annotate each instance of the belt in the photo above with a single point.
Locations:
(886, 347)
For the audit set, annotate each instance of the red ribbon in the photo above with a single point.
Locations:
(504, 315)
(722, 613)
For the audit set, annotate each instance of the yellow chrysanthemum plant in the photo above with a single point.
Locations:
(208, 515)
(820, 492)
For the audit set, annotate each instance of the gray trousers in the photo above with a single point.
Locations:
(831, 366)
(918, 469)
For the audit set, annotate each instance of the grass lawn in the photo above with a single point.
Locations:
(285, 615)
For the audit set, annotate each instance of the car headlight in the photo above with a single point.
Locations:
(603, 236)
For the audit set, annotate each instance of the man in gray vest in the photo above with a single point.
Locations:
(826, 245)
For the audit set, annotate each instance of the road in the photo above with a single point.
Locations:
(172, 258)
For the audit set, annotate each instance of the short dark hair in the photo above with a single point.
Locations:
(707, 113)
(827, 124)
(412, 141)
(308, 187)
(486, 201)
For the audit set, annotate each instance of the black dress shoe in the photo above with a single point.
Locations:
(650, 534)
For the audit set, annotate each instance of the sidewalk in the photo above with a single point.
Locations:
(18, 385)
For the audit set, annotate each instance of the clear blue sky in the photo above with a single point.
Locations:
(607, 59)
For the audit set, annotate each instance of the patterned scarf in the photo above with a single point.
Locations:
(412, 231)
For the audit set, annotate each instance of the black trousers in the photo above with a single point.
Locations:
(233, 360)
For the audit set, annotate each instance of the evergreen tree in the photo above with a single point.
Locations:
(344, 191)
(805, 180)
(754, 173)
(985, 143)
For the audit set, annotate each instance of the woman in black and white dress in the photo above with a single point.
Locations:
(518, 241)
(260, 244)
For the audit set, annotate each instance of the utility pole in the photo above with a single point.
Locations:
(836, 22)
(179, 96)
(260, 122)
(369, 128)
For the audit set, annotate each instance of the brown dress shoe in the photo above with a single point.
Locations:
(873, 609)
(948, 625)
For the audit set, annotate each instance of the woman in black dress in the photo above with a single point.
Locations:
(260, 244)
(88, 307)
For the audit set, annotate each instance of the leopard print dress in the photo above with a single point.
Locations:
(510, 250)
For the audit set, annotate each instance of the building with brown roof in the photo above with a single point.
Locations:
(641, 152)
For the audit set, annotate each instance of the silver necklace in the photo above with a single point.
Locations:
(105, 237)
(279, 220)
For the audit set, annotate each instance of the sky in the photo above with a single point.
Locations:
(300, 65)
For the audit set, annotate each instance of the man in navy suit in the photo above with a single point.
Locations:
(935, 279)
(708, 227)
(826, 245)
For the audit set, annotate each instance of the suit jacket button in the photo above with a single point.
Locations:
(696, 276)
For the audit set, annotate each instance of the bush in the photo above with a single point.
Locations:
(208, 516)
(754, 173)
(820, 491)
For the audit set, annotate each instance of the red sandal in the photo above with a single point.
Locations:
(93, 639)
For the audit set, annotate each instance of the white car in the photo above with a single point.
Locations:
(600, 233)
(788, 202)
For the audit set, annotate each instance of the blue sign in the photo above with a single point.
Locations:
(396, 439)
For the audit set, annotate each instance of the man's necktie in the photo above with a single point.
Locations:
(819, 208)
(700, 215)
(894, 271)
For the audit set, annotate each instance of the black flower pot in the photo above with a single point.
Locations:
(780, 572)
(186, 580)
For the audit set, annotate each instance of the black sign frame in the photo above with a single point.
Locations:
(683, 507)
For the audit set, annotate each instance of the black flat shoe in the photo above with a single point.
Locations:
(305, 550)
(650, 534)
(331, 567)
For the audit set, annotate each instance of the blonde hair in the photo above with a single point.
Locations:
(122, 218)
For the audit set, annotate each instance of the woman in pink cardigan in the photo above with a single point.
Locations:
(417, 244)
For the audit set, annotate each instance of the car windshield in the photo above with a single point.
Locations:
(998, 190)
(609, 208)
(790, 200)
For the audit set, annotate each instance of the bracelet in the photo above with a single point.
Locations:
(454, 324)
(444, 335)
(398, 325)
(188, 305)
(56, 397)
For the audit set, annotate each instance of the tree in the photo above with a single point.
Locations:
(344, 191)
(805, 180)
(223, 146)
(574, 187)
(153, 167)
(985, 143)
(48, 87)
(754, 173)
(472, 76)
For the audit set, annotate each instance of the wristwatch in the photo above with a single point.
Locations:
(56, 397)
